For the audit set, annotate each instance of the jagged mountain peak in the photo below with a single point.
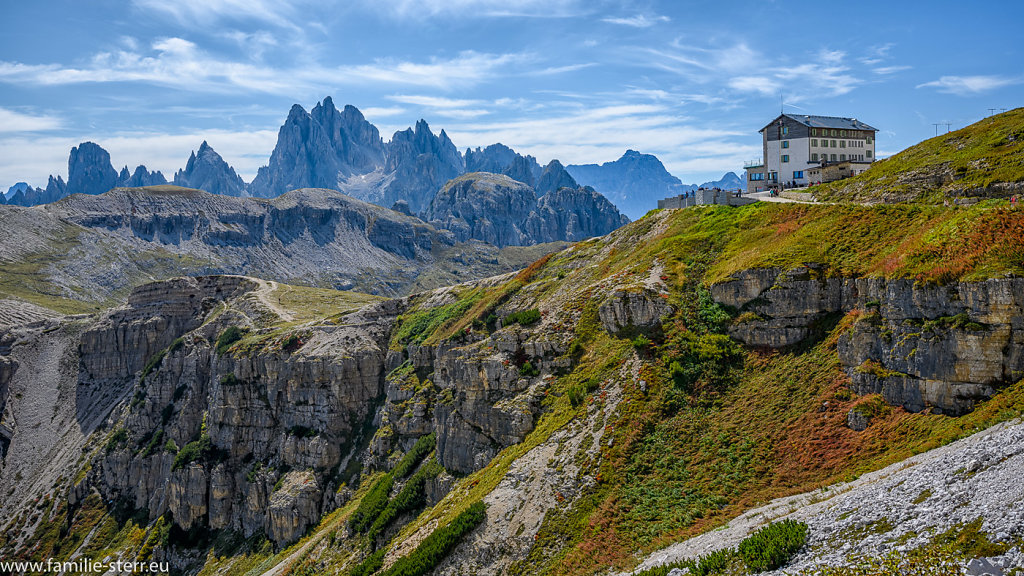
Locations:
(554, 177)
(207, 170)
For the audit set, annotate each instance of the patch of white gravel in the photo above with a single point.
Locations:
(896, 509)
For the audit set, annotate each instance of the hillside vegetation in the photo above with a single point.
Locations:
(655, 433)
(985, 159)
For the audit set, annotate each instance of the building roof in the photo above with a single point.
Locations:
(824, 122)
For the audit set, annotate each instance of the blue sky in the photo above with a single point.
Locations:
(578, 80)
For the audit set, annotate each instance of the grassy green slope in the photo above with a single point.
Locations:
(961, 163)
(715, 429)
(740, 427)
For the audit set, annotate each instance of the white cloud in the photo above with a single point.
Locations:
(179, 63)
(553, 70)
(732, 58)
(381, 112)
(13, 122)
(208, 13)
(885, 70)
(638, 21)
(764, 85)
(405, 9)
(970, 85)
(466, 69)
(434, 101)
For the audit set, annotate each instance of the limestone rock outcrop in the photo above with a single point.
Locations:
(498, 210)
(918, 345)
(500, 159)
(257, 439)
(626, 312)
(483, 206)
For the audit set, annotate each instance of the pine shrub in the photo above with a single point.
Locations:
(772, 546)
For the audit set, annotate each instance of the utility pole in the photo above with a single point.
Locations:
(992, 111)
(936, 124)
(948, 124)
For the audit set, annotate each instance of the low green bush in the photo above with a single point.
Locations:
(153, 364)
(523, 317)
(228, 337)
(201, 450)
(528, 370)
(372, 504)
(291, 343)
(154, 444)
(424, 445)
(411, 497)
(117, 439)
(641, 343)
(369, 565)
(433, 549)
(772, 546)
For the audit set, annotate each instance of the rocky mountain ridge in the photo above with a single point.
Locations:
(339, 149)
(206, 170)
(501, 211)
(98, 247)
(635, 182)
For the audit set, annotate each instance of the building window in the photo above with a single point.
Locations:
(785, 157)
(868, 153)
(868, 139)
(833, 157)
(833, 132)
(785, 130)
(842, 143)
(785, 143)
(842, 156)
(842, 133)
(814, 131)
(833, 142)
(798, 174)
(814, 141)
(814, 157)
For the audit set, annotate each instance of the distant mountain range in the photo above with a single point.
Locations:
(635, 182)
(340, 150)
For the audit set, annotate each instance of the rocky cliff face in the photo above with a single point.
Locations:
(340, 150)
(421, 163)
(484, 206)
(140, 177)
(920, 346)
(206, 170)
(89, 170)
(319, 149)
(259, 437)
(573, 214)
(322, 235)
(553, 178)
(501, 211)
(500, 159)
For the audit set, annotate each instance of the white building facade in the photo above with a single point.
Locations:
(794, 143)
